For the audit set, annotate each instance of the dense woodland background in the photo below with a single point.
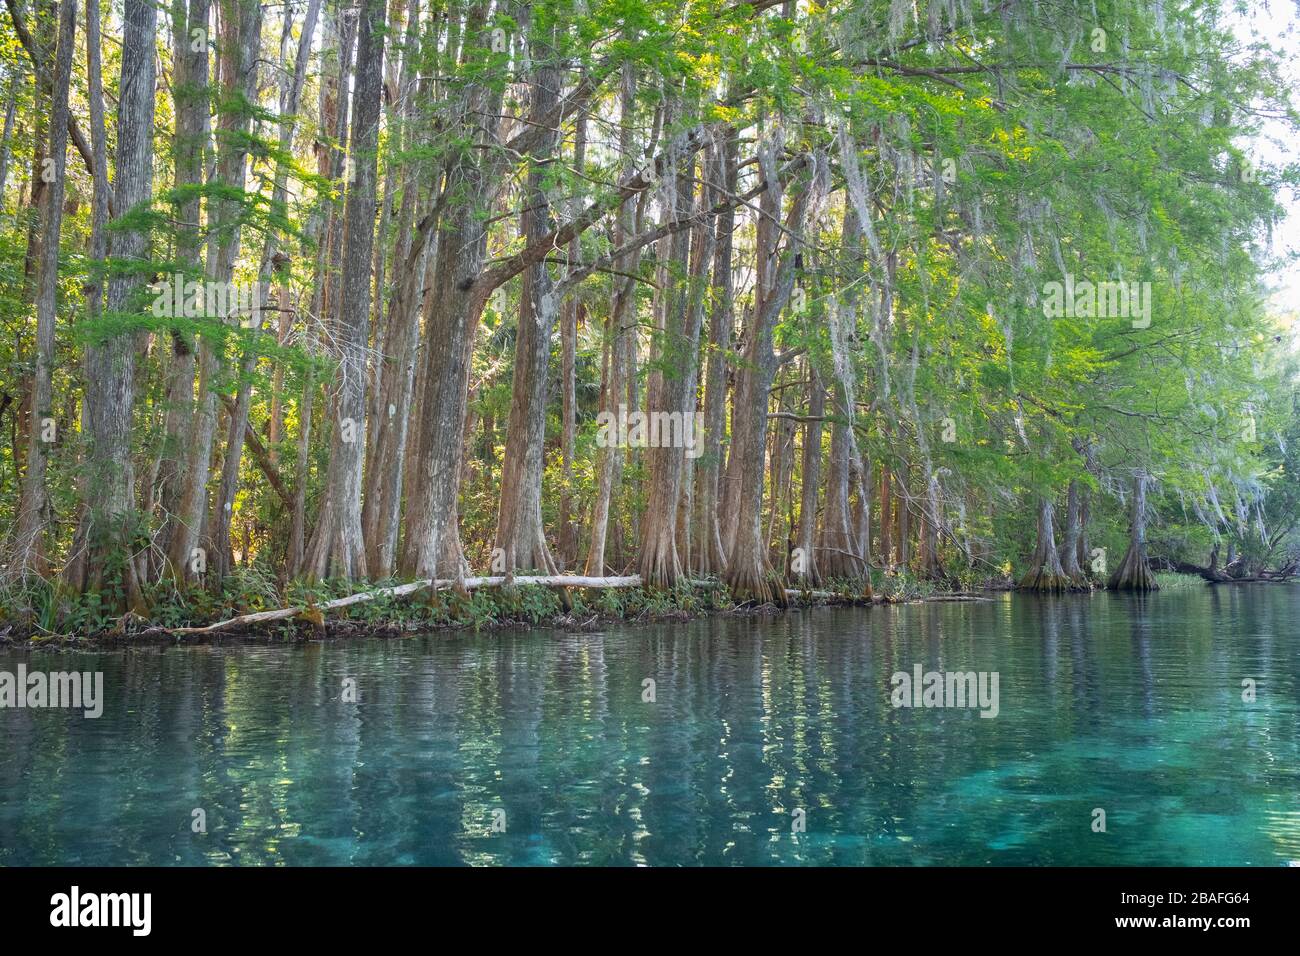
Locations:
(832, 232)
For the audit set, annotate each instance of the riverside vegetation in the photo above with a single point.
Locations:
(347, 297)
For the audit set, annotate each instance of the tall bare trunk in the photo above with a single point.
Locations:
(838, 556)
(341, 105)
(710, 556)
(33, 506)
(569, 322)
(886, 518)
(109, 531)
(1070, 545)
(672, 384)
(1082, 549)
(337, 548)
(520, 535)
(6, 138)
(454, 310)
(75, 571)
(297, 548)
(338, 30)
(273, 266)
(242, 22)
(619, 338)
(189, 149)
(748, 573)
(1045, 573)
(393, 409)
(903, 514)
(928, 564)
(781, 475)
(703, 249)
(806, 569)
(40, 41)
(452, 320)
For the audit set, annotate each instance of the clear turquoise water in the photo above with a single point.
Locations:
(1129, 705)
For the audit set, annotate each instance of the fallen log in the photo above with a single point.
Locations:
(1216, 576)
(316, 612)
(824, 595)
(1211, 573)
(400, 590)
(1281, 574)
(1254, 579)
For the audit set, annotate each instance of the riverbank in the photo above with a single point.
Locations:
(257, 613)
(336, 611)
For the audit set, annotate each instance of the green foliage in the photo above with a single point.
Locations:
(995, 152)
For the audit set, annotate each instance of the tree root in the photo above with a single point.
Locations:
(1133, 573)
(1043, 581)
(751, 586)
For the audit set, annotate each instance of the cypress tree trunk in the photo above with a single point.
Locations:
(41, 39)
(396, 412)
(928, 564)
(223, 512)
(1083, 551)
(809, 574)
(33, 505)
(570, 320)
(846, 531)
(296, 551)
(1133, 573)
(710, 557)
(903, 512)
(671, 389)
(860, 478)
(392, 410)
(6, 138)
(454, 310)
(748, 571)
(619, 332)
(342, 107)
(75, 571)
(838, 554)
(1045, 573)
(338, 32)
(781, 475)
(337, 548)
(520, 534)
(242, 22)
(1070, 546)
(703, 255)
(110, 531)
(452, 320)
(189, 147)
(886, 518)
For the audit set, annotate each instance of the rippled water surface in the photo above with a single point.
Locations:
(1130, 705)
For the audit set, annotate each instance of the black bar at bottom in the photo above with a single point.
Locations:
(332, 906)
